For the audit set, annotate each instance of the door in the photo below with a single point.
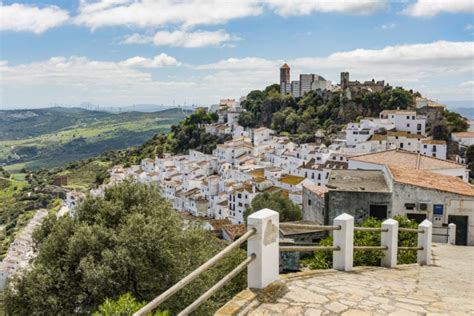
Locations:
(461, 228)
(378, 211)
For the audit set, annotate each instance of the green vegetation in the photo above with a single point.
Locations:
(125, 305)
(451, 122)
(130, 241)
(47, 138)
(188, 134)
(276, 201)
(323, 259)
(302, 117)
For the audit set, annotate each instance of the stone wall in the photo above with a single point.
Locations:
(356, 204)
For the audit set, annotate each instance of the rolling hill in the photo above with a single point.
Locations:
(50, 137)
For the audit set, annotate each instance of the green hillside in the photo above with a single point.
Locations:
(50, 137)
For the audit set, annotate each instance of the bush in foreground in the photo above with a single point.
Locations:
(129, 241)
(323, 259)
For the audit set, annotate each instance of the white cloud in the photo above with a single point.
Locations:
(469, 84)
(305, 7)
(468, 27)
(159, 61)
(388, 26)
(435, 69)
(428, 8)
(19, 17)
(182, 38)
(190, 13)
(412, 65)
(157, 13)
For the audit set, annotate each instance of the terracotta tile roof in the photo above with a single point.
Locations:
(464, 134)
(405, 134)
(293, 180)
(235, 231)
(433, 142)
(217, 224)
(378, 137)
(431, 180)
(316, 189)
(407, 159)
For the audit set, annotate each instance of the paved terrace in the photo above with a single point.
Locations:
(444, 288)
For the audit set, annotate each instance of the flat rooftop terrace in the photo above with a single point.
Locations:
(444, 288)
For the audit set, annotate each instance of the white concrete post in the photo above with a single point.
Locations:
(389, 239)
(342, 259)
(264, 244)
(452, 234)
(424, 240)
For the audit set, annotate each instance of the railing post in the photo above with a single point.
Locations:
(424, 240)
(389, 239)
(452, 234)
(342, 259)
(264, 244)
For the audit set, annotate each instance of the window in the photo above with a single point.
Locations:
(409, 206)
(309, 202)
(408, 124)
(401, 145)
(423, 206)
(408, 117)
(239, 196)
(240, 204)
(413, 117)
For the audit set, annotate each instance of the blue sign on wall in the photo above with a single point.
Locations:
(438, 209)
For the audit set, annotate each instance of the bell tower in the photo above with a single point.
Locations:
(284, 78)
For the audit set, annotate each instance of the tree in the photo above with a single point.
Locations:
(279, 203)
(129, 241)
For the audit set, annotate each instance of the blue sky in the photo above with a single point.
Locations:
(123, 52)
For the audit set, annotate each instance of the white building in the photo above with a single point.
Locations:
(434, 148)
(405, 120)
(463, 138)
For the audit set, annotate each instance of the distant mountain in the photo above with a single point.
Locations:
(465, 108)
(52, 136)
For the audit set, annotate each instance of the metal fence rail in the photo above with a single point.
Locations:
(370, 229)
(411, 230)
(308, 248)
(217, 286)
(410, 248)
(193, 275)
(310, 226)
(370, 248)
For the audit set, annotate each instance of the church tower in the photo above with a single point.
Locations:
(284, 78)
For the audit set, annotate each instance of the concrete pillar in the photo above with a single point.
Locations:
(343, 259)
(424, 240)
(452, 234)
(389, 239)
(265, 245)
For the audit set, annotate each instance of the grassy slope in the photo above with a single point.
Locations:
(86, 138)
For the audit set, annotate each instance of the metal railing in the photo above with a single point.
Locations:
(389, 241)
(196, 273)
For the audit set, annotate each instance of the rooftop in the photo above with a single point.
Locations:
(407, 159)
(464, 134)
(292, 180)
(316, 189)
(431, 180)
(358, 181)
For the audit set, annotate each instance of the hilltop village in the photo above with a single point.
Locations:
(372, 170)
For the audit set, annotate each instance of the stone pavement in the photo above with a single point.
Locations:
(444, 288)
